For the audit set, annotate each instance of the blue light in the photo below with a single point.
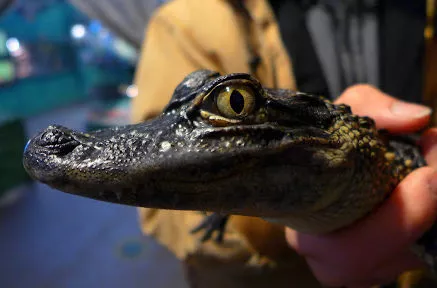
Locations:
(94, 27)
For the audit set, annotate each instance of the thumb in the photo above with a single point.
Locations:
(389, 113)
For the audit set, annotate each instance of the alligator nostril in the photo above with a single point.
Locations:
(57, 140)
(53, 136)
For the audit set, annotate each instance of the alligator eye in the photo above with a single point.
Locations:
(235, 101)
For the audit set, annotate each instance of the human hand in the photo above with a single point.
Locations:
(376, 250)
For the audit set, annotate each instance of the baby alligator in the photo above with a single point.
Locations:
(226, 144)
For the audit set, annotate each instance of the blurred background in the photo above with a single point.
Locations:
(70, 63)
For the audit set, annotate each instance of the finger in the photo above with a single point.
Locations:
(405, 216)
(428, 142)
(388, 112)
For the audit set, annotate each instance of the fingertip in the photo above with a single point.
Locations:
(388, 112)
(404, 117)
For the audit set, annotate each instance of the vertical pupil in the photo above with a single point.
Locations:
(236, 101)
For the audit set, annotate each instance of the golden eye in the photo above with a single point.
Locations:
(235, 101)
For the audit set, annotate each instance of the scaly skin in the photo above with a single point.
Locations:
(285, 156)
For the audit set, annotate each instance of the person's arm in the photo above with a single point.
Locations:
(377, 249)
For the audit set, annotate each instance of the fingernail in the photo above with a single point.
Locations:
(410, 110)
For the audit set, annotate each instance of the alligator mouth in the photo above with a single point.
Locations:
(287, 135)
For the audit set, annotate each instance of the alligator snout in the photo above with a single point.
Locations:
(56, 140)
